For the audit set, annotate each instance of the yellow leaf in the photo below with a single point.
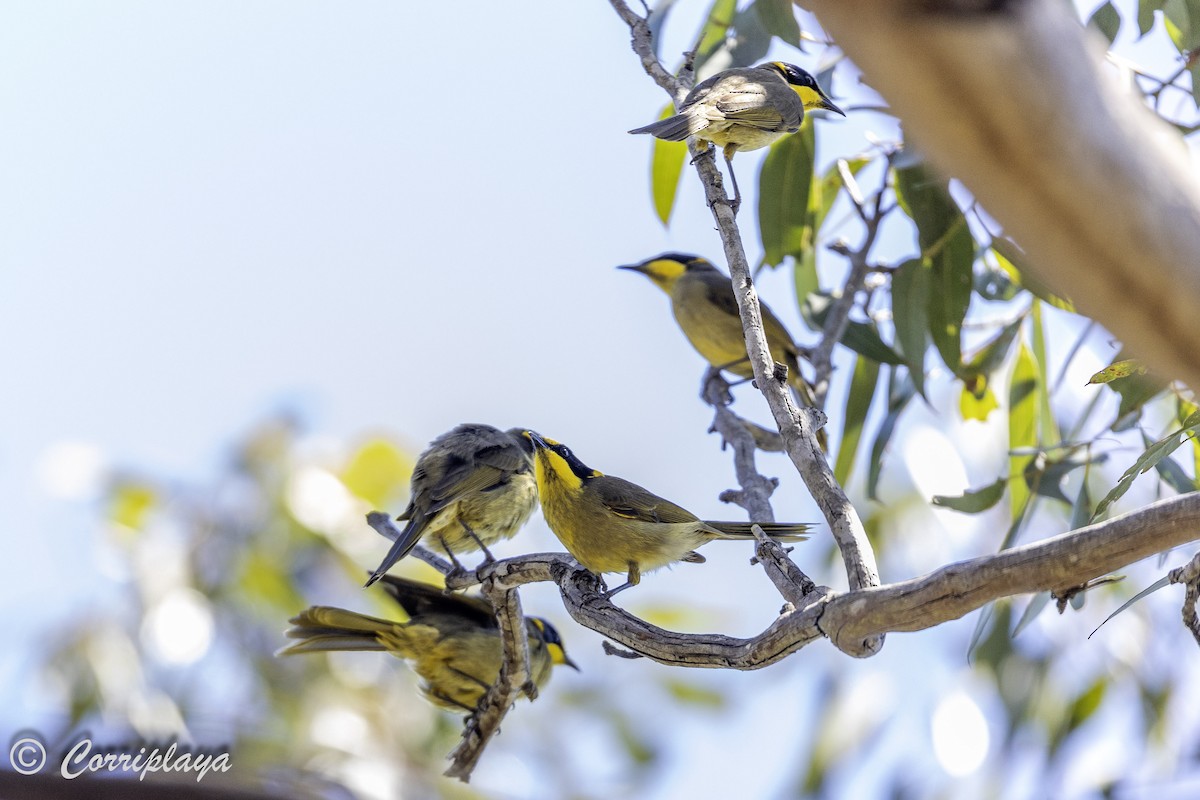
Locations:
(378, 472)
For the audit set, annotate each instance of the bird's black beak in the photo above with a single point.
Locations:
(828, 105)
(634, 268)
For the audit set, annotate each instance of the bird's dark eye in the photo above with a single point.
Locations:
(565, 452)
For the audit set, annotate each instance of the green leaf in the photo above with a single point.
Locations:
(1153, 454)
(378, 472)
(910, 301)
(1171, 473)
(858, 404)
(804, 276)
(900, 392)
(1145, 15)
(1106, 20)
(947, 245)
(1081, 511)
(1045, 475)
(1011, 259)
(974, 501)
(861, 337)
(1022, 422)
(785, 182)
(1135, 391)
(778, 17)
(1151, 589)
(1085, 705)
(666, 165)
(825, 190)
(864, 339)
(751, 40)
(951, 282)
(977, 407)
(1036, 605)
(1047, 425)
(1181, 24)
(1118, 369)
(686, 693)
(1185, 408)
(715, 30)
(993, 354)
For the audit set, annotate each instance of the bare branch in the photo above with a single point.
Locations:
(514, 678)
(854, 618)
(755, 494)
(1052, 564)
(821, 357)
(792, 583)
(643, 45)
(1189, 575)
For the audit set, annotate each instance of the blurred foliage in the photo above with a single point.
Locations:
(210, 573)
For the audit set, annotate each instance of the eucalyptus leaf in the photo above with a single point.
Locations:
(910, 300)
(858, 404)
(785, 184)
(1151, 589)
(900, 392)
(778, 17)
(974, 501)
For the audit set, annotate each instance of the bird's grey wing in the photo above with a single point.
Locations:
(631, 501)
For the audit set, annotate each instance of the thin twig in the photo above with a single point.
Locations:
(643, 45)
(1189, 575)
(383, 525)
(792, 583)
(514, 678)
(756, 489)
(514, 675)
(860, 267)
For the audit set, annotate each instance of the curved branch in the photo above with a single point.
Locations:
(1020, 106)
(852, 619)
(1070, 559)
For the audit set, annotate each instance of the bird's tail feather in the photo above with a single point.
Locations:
(324, 628)
(672, 129)
(779, 531)
(401, 547)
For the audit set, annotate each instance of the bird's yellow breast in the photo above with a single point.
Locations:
(717, 336)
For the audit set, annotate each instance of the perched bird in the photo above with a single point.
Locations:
(744, 109)
(707, 312)
(471, 487)
(452, 641)
(611, 525)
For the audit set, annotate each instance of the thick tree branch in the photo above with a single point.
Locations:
(1070, 559)
(1020, 106)
(856, 617)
